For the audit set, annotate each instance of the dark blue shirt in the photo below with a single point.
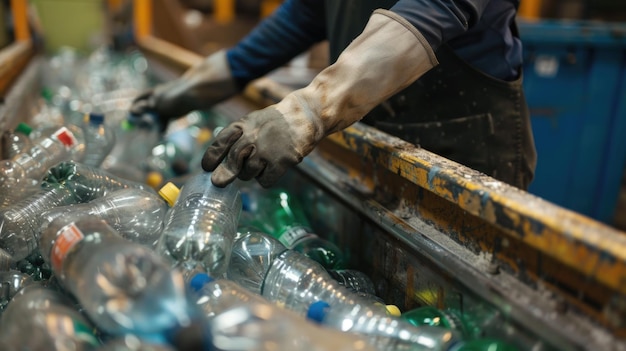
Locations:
(479, 31)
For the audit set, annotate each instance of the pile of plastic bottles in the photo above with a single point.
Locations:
(99, 251)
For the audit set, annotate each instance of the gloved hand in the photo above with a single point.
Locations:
(389, 55)
(200, 87)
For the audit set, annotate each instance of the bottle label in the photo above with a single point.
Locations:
(65, 136)
(292, 235)
(67, 238)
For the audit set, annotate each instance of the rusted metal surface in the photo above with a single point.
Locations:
(589, 247)
(13, 59)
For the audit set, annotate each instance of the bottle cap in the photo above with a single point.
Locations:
(24, 128)
(199, 280)
(317, 311)
(204, 135)
(169, 192)
(126, 125)
(393, 310)
(96, 118)
(154, 179)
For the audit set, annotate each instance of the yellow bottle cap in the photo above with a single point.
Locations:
(154, 179)
(204, 135)
(169, 192)
(393, 310)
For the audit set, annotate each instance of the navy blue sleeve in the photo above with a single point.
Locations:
(441, 20)
(289, 31)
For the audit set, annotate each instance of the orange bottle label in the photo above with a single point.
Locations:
(67, 238)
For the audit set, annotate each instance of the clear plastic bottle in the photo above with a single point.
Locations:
(354, 280)
(17, 174)
(252, 256)
(16, 141)
(70, 135)
(11, 281)
(200, 228)
(132, 343)
(5, 260)
(134, 145)
(137, 215)
(278, 213)
(39, 318)
(125, 288)
(241, 320)
(20, 223)
(88, 183)
(485, 344)
(99, 139)
(385, 332)
(286, 277)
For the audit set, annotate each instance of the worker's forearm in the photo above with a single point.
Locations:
(441, 20)
(292, 29)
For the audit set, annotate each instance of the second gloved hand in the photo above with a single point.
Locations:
(202, 86)
(389, 55)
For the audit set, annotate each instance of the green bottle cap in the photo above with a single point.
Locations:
(24, 129)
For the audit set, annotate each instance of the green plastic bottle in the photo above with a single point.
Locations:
(279, 214)
(448, 318)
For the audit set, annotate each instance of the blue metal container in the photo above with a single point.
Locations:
(575, 81)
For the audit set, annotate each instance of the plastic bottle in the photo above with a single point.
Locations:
(11, 282)
(200, 228)
(449, 318)
(17, 174)
(20, 223)
(286, 277)
(70, 135)
(132, 343)
(88, 183)
(485, 344)
(385, 332)
(279, 214)
(5, 260)
(134, 145)
(137, 215)
(99, 139)
(241, 320)
(354, 280)
(125, 288)
(39, 318)
(16, 141)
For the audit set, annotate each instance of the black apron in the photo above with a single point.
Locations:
(453, 110)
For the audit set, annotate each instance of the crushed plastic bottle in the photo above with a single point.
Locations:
(137, 215)
(125, 288)
(88, 183)
(241, 320)
(39, 318)
(200, 228)
(381, 329)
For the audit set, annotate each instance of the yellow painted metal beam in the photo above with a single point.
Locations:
(224, 11)
(142, 13)
(19, 9)
(595, 250)
(530, 9)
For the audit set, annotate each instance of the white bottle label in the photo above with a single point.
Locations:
(66, 239)
(291, 236)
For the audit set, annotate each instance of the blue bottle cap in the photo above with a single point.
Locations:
(96, 118)
(245, 202)
(199, 281)
(317, 311)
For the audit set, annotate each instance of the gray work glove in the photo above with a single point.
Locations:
(200, 87)
(389, 55)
